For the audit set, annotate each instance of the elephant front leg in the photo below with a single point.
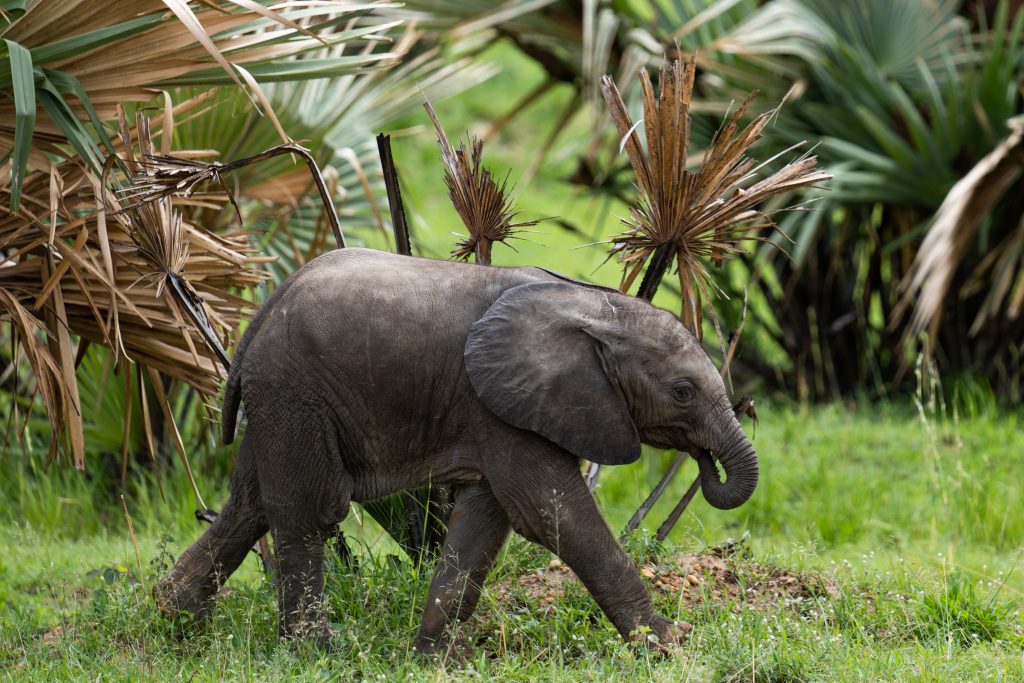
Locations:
(548, 502)
(477, 529)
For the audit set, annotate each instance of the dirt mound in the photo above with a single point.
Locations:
(693, 579)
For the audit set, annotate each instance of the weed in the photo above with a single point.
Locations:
(958, 613)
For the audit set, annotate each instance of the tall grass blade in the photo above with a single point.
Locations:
(23, 86)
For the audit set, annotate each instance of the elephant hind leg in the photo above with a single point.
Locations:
(477, 529)
(306, 493)
(199, 573)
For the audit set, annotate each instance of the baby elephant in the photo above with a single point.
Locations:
(369, 373)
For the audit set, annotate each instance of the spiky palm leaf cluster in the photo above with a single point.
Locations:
(694, 216)
(478, 197)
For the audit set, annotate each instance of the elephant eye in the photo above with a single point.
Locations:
(684, 392)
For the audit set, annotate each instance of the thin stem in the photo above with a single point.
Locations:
(483, 251)
(641, 513)
(667, 526)
(318, 178)
(656, 269)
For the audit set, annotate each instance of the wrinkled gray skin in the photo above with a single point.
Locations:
(369, 373)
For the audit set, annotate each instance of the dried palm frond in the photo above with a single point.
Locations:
(692, 217)
(162, 176)
(118, 278)
(61, 407)
(951, 235)
(478, 198)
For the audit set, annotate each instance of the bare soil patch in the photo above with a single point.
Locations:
(691, 579)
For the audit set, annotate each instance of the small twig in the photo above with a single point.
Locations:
(638, 516)
(135, 544)
(667, 526)
(267, 556)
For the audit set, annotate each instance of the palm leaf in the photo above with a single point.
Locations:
(693, 217)
(952, 234)
(478, 197)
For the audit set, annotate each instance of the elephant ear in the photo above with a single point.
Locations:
(541, 359)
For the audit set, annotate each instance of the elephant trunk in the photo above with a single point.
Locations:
(740, 464)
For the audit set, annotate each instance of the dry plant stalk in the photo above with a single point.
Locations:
(478, 198)
(159, 176)
(693, 217)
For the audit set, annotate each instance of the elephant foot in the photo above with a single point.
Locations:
(664, 634)
(456, 649)
(317, 632)
(183, 600)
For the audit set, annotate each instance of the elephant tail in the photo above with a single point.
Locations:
(232, 400)
(233, 390)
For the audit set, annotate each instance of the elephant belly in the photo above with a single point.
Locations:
(393, 474)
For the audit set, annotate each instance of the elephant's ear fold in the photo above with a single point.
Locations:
(538, 359)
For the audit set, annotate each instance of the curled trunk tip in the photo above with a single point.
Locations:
(741, 470)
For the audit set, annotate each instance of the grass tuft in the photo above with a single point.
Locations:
(958, 613)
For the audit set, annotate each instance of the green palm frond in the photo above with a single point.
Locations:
(122, 52)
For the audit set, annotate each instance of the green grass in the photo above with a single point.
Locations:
(903, 533)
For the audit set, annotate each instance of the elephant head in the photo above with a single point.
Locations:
(598, 372)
